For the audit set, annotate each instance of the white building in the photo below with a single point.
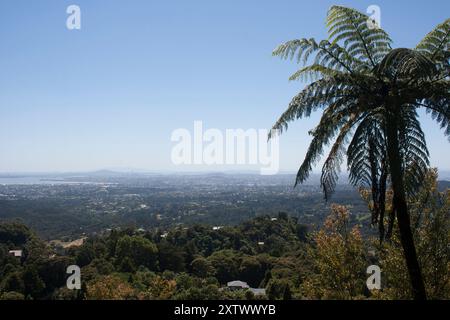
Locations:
(16, 253)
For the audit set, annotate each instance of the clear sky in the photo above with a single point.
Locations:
(110, 95)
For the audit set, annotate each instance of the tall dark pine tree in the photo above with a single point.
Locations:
(369, 94)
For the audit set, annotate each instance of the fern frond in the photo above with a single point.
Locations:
(437, 42)
(351, 28)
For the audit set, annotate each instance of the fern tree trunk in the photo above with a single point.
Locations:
(403, 219)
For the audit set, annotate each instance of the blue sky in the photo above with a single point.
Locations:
(109, 95)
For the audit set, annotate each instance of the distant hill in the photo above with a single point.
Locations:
(443, 185)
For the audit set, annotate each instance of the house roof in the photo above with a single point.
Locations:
(258, 291)
(238, 283)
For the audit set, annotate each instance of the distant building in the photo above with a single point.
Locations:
(241, 285)
(236, 285)
(16, 253)
(164, 235)
(215, 228)
(258, 291)
(261, 243)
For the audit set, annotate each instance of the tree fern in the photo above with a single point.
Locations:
(369, 94)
